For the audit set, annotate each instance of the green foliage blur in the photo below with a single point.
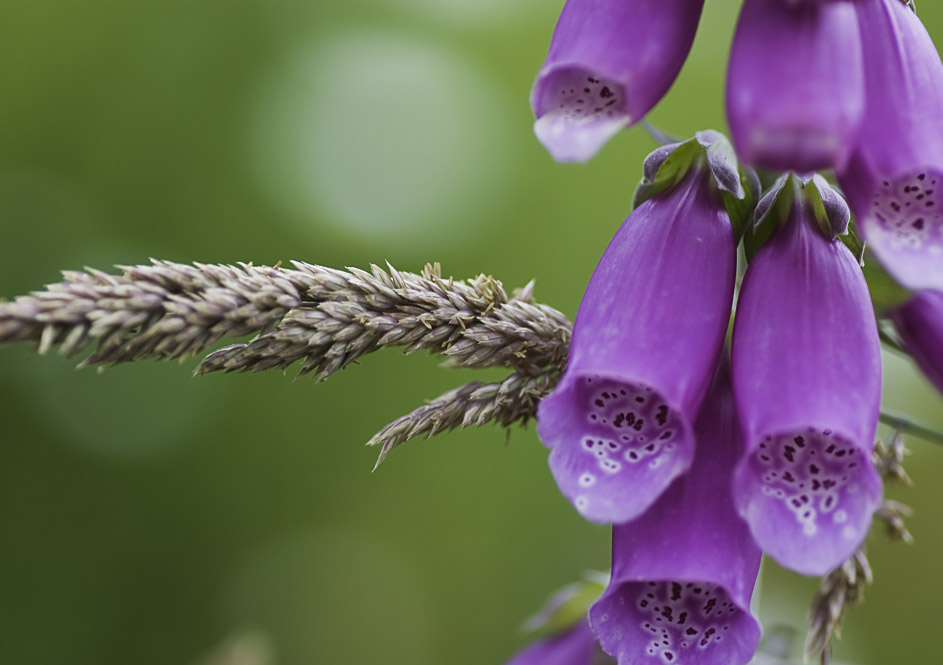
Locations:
(152, 518)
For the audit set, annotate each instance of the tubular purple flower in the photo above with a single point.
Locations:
(788, 58)
(645, 341)
(807, 377)
(574, 646)
(894, 181)
(610, 62)
(920, 324)
(684, 572)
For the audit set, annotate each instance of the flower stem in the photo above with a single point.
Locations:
(661, 138)
(908, 426)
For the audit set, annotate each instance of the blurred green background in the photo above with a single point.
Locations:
(152, 518)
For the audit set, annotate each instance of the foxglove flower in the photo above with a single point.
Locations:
(610, 62)
(683, 573)
(574, 646)
(807, 376)
(919, 322)
(645, 341)
(894, 180)
(786, 59)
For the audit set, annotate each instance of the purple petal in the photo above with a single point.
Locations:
(920, 324)
(645, 342)
(895, 177)
(788, 58)
(683, 573)
(576, 646)
(610, 62)
(807, 375)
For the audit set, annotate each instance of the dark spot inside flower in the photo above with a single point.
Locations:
(922, 176)
(639, 424)
(709, 605)
(918, 223)
(789, 453)
(600, 403)
(682, 618)
(830, 449)
(813, 468)
(662, 416)
(691, 631)
(800, 441)
(639, 399)
(666, 435)
(675, 591)
(666, 612)
(668, 655)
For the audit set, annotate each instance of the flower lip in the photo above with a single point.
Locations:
(577, 111)
(808, 495)
(616, 444)
(906, 214)
(684, 622)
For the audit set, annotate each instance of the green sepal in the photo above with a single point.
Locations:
(854, 242)
(829, 210)
(665, 167)
(738, 186)
(771, 212)
(740, 210)
(568, 606)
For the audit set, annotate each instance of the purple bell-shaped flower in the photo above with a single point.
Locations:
(610, 62)
(894, 180)
(919, 322)
(574, 646)
(683, 573)
(786, 59)
(645, 343)
(807, 376)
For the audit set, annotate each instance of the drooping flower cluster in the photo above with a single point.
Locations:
(698, 467)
